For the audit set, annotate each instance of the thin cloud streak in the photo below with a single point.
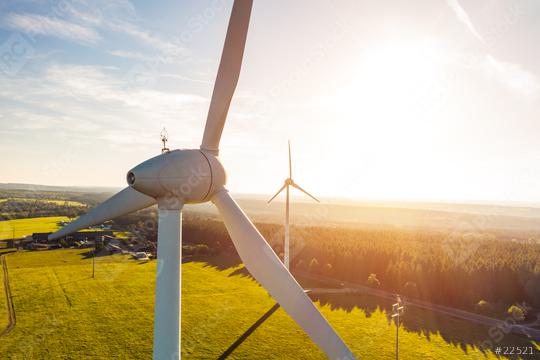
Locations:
(464, 18)
(511, 75)
(166, 47)
(43, 25)
(514, 76)
(92, 15)
(131, 55)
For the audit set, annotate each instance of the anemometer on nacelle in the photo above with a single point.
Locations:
(164, 138)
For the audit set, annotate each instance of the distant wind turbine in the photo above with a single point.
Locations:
(289, 182)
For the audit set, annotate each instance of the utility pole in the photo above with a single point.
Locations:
(13, 237)
(397, 310)
(94, 259)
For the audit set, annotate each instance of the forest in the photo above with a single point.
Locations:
(483, 272)
(20, 204)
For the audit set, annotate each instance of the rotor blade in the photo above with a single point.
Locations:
(290, 161)
(124, 202)
(228, 73)
(305, 192)
(267, 269)
(279, 191)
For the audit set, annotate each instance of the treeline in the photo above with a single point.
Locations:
(30, 208)
(452, 269)
(449, 268)
(18, 204)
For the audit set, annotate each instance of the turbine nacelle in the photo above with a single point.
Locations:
(192, 176)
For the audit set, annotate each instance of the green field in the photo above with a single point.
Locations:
(24, 227)
(63, 313)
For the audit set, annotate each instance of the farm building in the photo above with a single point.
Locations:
(77, 236)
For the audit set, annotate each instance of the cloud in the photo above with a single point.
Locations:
(111, 15)
(464, 18)
(513, 76)
(99, 84)
(91, 103)
(165, 47)
(83, 21)
(131, 55)
(43, 25)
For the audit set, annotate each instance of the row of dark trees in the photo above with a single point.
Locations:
(444, 267)
(19, 204)
(31, 208)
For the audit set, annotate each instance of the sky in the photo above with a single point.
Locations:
(382, 100)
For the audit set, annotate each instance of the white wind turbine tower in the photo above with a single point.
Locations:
(187, 176)
(289, 182)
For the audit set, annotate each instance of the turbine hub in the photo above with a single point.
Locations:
(190, 175)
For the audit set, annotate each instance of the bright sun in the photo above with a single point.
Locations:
(388, 105)
(394, 84)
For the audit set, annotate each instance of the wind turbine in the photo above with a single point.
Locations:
(188, 176)
(289, 182)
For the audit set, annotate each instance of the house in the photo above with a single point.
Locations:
(79, 236)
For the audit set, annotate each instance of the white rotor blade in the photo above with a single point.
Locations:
(290, 161)
(304, 191)
(267, 269)
(124, 202)
(279, 191)
(228, 74)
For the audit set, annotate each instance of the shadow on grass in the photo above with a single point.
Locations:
(90, 253)
(248, 332)
(46, 289)
(458, 332)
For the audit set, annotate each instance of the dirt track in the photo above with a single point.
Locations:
(9, 301)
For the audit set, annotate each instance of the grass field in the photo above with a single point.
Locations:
(63, 313)
(24, 227)
(28, 226)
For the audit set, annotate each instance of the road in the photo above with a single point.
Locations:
(351, 288)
